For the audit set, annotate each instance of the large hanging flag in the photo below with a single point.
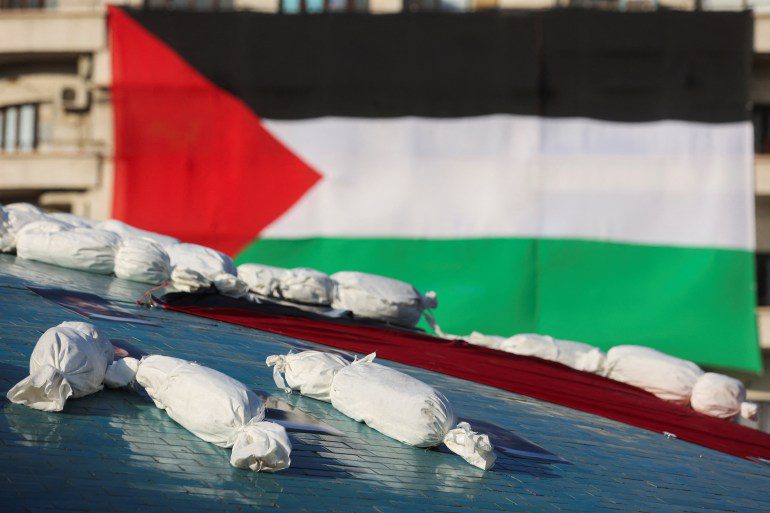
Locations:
(578, 173)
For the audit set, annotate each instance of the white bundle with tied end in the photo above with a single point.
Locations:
(309, 372)
(187, 280)
(231, 286)
(85, 249)
(576, 355)
(126, 231)
(17, 216)
(142, 260)
(670, 378)
(217, 409)
(69, 360)
(208, 262)
(262, 279)
(395, 404)
(299, 285)
(720, 396)
(379, 298)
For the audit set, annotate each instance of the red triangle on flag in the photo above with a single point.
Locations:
(192, 160)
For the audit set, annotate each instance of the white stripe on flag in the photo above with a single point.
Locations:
(665, 182)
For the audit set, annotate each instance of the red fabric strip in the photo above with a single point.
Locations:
(524, 375)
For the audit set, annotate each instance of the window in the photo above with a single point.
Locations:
(319, 6)
(18, 128)
(27, 4)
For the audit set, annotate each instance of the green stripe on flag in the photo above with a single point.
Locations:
(694, 303)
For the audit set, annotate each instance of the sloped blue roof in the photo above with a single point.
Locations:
(115, 451)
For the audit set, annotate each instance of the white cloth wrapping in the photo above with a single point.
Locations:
(17, 215)
(4, 227)
(379, 298)
(217, 409)
(309, 372)
(718, 395)
(127, 231)
(44, 224)
(142, 260)
(262, 279)
(473, 447)
(73, 220)
(229, 285)
(69, 360)
(85, 249)
(300, 285)
(393, 403)
(749, 411)
(304, 285)
(577, 355)
(121, 373)
(206, 261)
(187, 280)
(670, 378)
(479, 339)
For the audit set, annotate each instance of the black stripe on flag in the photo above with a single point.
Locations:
(691, 66)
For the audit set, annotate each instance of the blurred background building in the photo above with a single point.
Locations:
(56, 115)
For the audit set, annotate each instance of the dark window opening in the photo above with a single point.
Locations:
(18, 128)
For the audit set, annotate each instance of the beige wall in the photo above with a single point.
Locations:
(41, 52)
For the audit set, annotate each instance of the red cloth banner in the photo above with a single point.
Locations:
(524, 375)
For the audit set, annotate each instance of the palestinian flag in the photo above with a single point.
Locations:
(578, 173)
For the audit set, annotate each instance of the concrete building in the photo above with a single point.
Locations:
(56, 146)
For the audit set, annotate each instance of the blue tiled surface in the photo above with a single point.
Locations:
(114, 451)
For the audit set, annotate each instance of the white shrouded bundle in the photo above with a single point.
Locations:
(670, 378)
(393, 403)
(301, 285)
(231, 286)
(304, 285)
(479, 339)
(16, 216)
(576, 355)
(379, 298)
(215, 408)
(85, 249)
(69, 360)
(262, 279)
(127, 231)
(405, 408)
(121, 373)
(142, 260)
(309, 372)
(73, 220)
(187, 280)
(208, 262)
(718, 395)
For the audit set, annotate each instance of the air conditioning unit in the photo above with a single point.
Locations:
(75, 97)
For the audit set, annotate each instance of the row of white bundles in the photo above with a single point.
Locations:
(115, 247)
(212, 406)
(367, 296)
(577, 355)
(679, 381)
(74, 359)
(391, 402)
(669, 378)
